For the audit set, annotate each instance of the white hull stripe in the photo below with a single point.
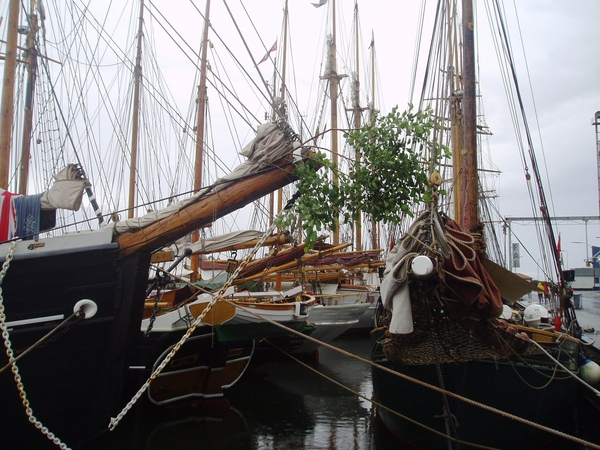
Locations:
(19, 323)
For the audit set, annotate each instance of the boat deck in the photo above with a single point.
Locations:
(588, 314)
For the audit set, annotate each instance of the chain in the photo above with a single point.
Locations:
(154, 313)
(114, 421)
(12, 360)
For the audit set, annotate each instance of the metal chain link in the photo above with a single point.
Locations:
(12, 361)
(114, 421)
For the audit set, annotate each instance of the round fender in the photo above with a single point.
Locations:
(87, 306)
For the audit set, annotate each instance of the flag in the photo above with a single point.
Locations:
(273, 48)
(318, 5)
(558, 245)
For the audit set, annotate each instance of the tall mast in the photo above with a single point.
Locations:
(333, 95)
(8, 91)
(469, 219)
(136, 114)
(374, 224)
(282, 111)
(596, 123)
(200, 131)
(357, 116)
(29, 91)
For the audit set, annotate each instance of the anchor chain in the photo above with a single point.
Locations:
(12, 359)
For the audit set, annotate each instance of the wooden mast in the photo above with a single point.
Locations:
(374, 225)
(29, 91)
(334, 80)
(8, 90)
(282, 112)
(200, 132)
(136, 114)
(357, 118)
(469, 219)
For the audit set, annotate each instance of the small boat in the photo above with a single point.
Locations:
(203, 367)
(331, 321)
(261, 315)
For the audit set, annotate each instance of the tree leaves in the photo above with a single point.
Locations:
(390, 175)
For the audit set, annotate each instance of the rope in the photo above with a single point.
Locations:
(114, 421)
(379, 405)
(443, 391)
(79, 314)
(558, 363)
(13, 361)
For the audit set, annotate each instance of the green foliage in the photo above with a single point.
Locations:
(390, 174)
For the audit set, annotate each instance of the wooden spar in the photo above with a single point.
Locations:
(8, 92)
(374, 225)
(29, 92)
(283, 110)
(357, 116)
(200, 132)
(456, 125)
(333, 95)
(293, 264)
(279, 239)
(224, 261)
(470, 217)
(136, 114)
(332, 267)
(233, 196)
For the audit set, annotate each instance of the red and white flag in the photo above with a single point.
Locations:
(273, 48)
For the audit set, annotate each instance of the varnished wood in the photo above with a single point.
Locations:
(219, 313)
(213, 206)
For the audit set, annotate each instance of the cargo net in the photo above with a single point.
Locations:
(454, 310)
(446, 332)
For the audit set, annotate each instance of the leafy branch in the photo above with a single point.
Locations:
(389, 175)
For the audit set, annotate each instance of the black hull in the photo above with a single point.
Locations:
(201, 369)
(75, 383)
(490, 383)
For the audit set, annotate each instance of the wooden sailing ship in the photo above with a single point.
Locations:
(456, 372)
(72, 305)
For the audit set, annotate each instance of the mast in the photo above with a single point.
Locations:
(374, 224)
(334, 80)
(29, 91)
(8, 90)
(136, 114)
(282, 111)
(596, 123)
(200, 132)
(357, 116)
(469, 218)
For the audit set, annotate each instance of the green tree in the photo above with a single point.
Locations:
(396, 154)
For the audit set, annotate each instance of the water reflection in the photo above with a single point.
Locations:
(277, 404)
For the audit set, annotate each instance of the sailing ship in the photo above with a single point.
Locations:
(454, 370)
(72, 305)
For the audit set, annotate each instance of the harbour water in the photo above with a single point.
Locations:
(283, 404)
(278, 404)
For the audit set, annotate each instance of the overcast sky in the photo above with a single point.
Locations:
(560, 40)
(561, 62)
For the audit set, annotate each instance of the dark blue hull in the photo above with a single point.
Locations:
(507, 387)
(75, 382)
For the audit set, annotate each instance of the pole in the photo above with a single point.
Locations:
(8, 92)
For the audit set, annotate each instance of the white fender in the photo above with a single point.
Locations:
(87, 306)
